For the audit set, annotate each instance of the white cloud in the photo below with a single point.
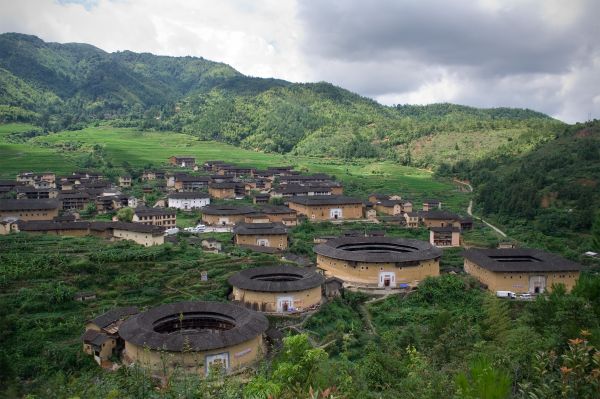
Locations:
(258, 38)
(540, 54)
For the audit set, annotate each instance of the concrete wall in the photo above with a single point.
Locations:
(217, 219)
(162, 220)
(221, 193)
(278, 217)
(256, 219)
(66, 232)
(435, 238)
(440, 223)
(159, 362)
(192, 203)
(518, 282)
(411, 221)
(322, 212)
(267, 301)
(388, 210)
(279, 241)
(145, 239)
(46, 214)
(368, 273)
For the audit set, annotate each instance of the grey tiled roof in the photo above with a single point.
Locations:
(227, 210)
(275, 209)
(325, 200)
(248, 324)
(519, 260)
(277, 279)
(378, 249)
(114, 315)
(259, 228)
(28, 204)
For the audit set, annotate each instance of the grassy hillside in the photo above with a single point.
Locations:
(550, 192)
(67, 86)
(109, 149)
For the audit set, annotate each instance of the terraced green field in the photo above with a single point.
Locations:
(66, 151)
(40, 275)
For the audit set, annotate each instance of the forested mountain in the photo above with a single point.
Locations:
(66, 86)
(557, 185)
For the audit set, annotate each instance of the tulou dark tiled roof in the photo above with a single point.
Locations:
(187, 178)
(32, 189)
(28, 204)
(389, 202)
(378, 249)
(276, 209)
(247, 324)
(259, 228)
(95, 338)
(227, 210)
(114, 315)
(519, 260)
(7, 183)
(137, 227)
(293, 189)
(51, 225)
(277, 279)
(75, 195)
(314, 177)
(316, 200)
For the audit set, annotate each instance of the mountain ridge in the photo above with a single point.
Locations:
(72, 85)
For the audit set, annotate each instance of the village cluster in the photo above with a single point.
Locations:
(196, 336)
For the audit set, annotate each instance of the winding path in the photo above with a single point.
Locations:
(470, 210)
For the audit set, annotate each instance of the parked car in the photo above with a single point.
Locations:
(196, 229)
(506, 294)
(171, 231)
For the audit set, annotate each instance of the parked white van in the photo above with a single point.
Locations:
(506, 294)
(171, 231)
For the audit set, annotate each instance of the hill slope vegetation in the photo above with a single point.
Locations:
(68, 86)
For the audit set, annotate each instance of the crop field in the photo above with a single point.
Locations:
(450, 147)
(42, 273)
(65, 151)
(42, 323)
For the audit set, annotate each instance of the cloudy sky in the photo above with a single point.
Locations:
(539, 54)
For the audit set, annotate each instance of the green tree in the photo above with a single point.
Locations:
(483, 381)
(574, 374)
(125, 214)
(296, 370)
(596, 233)
(497, 319)
(90, 209)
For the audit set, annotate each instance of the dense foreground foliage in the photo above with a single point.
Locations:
(447, 339)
